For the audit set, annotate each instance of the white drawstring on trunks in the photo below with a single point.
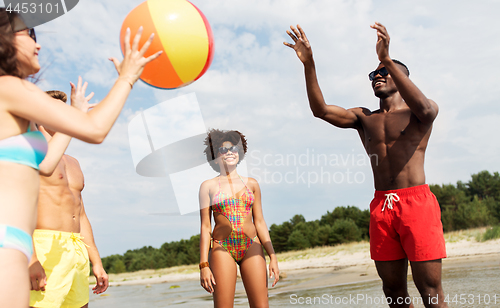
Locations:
(389, 199)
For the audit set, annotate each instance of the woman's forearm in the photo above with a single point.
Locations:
(205, 239)
(265, 238)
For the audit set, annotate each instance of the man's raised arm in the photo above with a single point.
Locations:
(424, 109)
(335, 115)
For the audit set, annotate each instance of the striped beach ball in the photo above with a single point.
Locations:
(181, 31)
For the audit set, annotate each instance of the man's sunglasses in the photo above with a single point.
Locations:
(382, 72)
(233, 149)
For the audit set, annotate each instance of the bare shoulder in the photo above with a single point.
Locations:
(9, 80)
(252, 183)
(72, 160)
(8, 86)
(361, 111)
(11, 85)
(208, 184)
(17, 94)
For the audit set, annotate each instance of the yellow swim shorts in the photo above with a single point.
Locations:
(65, 260)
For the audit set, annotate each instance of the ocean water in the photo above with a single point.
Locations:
(465, 286)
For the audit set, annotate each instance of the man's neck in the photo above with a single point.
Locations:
(392, 102)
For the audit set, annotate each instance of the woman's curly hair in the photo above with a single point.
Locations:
(214, 140)
(8, 51)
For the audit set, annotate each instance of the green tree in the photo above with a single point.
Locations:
(484, 184)
(471, 215)
(344, 231)
(449, 196)
(360, 218)
(280, 234)
(118, 267)
(322, 236)
(297, 241)
(297, 219)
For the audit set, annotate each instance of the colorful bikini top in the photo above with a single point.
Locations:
(27, 149)
(231, 206)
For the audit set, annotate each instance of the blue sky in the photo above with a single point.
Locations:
(256, 85)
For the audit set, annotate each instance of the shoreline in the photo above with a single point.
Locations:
(349, 263)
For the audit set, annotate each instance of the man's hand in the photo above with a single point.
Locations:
(383, 39)
(101, 279)
(78, 98)
(302, 46)
(37, 276)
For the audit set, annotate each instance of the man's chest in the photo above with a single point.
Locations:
(387, 128)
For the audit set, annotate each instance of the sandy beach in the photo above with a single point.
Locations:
(329, 266)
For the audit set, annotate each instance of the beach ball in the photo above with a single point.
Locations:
(181, 31)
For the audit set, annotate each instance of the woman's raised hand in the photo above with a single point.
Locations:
(133, 62)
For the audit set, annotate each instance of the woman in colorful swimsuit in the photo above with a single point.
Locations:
(22, 148)
(240, 231)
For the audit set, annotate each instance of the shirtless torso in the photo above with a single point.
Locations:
(60, 199)
(396, 142)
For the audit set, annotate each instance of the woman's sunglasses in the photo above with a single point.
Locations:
(31, 33)
(233, 149)
(382, 72)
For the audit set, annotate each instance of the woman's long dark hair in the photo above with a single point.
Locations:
(8, 51)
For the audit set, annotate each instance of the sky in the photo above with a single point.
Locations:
(256, 85)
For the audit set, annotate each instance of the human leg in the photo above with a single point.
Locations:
(224, 269)
(394, 279)
(14, 279)
(422, 238)
(427, 278)
(78, 295)
(254, 276)
(15, 253)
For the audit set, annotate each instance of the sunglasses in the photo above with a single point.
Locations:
(382, 72)
(233, 149)
(31, 33)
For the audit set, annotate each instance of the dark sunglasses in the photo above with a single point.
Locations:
(233, 149)
(31, 33)
(382, 72)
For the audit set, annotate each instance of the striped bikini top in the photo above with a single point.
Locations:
(27, 149)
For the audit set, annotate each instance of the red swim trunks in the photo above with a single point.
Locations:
(406, 223)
